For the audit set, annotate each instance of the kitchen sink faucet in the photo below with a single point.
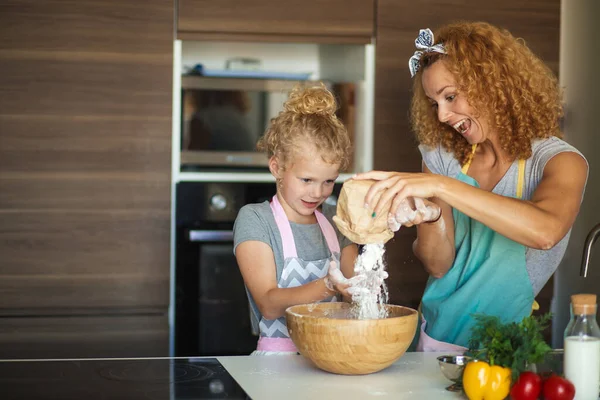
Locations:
(587, 249)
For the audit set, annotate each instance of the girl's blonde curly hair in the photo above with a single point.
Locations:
(501, 79)
(308, 116)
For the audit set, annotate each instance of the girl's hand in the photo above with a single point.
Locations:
(413, 211)
(336, 281)
(398, 186)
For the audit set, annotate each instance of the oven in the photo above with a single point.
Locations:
(211, 313)
(223, 118)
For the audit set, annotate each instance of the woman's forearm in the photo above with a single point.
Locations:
(434, 248)
(524, 222)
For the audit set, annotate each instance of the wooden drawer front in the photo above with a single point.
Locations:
(84, 337)
(310, 17)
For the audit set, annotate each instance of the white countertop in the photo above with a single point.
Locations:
(413, 376)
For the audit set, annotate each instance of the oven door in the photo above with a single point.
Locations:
(212, 316)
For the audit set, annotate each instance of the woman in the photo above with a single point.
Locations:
(486, 112)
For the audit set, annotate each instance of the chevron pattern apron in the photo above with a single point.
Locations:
(274, 336)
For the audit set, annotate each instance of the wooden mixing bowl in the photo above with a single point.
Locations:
(327, 335)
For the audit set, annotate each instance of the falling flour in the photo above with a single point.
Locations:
(370, 293)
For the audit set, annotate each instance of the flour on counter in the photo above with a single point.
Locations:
(370, 294)
(264, 371)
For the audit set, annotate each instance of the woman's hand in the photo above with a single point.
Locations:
(413, 211)
(398, 186)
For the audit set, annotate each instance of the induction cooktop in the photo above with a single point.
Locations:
(132, 379)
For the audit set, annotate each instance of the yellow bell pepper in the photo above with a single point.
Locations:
(484, 382)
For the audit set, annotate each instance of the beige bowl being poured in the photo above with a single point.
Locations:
(326, 334)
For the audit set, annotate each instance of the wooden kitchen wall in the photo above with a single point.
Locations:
(85, 144)
(85, 162)
(336, 21)
(398, 23)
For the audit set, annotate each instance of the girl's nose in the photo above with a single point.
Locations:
(317, 192)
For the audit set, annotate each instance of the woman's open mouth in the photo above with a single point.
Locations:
(463, 127)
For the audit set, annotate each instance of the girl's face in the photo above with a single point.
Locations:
(305, 184)
(451, 106)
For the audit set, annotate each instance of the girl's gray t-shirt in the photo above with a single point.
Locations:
(540, 264)
(256, 222)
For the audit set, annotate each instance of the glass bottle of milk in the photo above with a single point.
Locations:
(582, 347)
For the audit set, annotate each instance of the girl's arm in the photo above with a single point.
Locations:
(257, 265)
(347, 260)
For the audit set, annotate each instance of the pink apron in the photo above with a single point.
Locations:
(427, 343)
(274, 336)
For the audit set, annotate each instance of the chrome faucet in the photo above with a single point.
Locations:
(587, 249)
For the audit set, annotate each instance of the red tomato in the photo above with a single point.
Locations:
(557, 388)
(527, 387)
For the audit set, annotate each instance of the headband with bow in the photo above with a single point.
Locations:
(423, 42)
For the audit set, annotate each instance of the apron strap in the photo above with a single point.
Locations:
(521, 179)
(520, 176)
(465, 168)
(328, 232)
(285, 229)
(287, 237)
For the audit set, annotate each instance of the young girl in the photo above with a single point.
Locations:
(284, 247)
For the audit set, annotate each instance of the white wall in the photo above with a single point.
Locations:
(579, 75)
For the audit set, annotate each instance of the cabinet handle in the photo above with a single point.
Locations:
(211, 236)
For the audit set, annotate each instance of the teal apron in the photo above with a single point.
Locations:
(488, 276)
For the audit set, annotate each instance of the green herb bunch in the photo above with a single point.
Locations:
(513, 345)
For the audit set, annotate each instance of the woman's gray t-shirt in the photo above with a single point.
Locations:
(541, 264)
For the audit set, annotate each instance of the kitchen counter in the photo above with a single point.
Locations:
(414, 376)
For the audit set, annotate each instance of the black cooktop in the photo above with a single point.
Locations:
(132, 379)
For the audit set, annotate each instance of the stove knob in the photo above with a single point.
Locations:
(218, 202)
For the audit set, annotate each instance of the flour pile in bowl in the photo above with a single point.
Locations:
(370, 293)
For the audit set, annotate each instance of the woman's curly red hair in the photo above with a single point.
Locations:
(501, 78)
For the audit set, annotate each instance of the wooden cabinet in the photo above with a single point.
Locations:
(85, 160)
(265, 20)
(395, 147)
(84, 336)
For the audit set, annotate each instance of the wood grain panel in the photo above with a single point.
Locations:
(84, 337)
(80, 145)
(67, 191)
(83, 259)
(105, 26)
(398, 24)
(310, 17)
(86, 87)
(270, 38)
(85, 155)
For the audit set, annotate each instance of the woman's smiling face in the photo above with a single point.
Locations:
(451, 105)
